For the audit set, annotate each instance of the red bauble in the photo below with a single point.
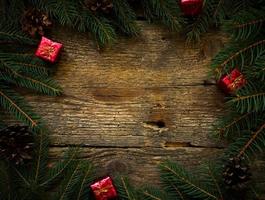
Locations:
(48, 50)
(191, 7)
(231, 82)
(104, 189)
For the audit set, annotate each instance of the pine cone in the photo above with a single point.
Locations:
(99, 5)
(236, 173)
(16, 144)
(34, 21)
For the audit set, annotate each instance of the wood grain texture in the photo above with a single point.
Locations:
(138, 103)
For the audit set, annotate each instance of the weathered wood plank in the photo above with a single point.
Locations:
(133, 118)
(118, 97)
(135, 104)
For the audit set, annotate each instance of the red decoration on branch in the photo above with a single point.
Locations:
(104, 189)
(191, 7)
(232, 82)
(48, 50)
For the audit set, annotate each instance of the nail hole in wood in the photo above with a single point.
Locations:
(158, 124)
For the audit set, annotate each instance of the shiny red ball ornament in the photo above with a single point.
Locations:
(229, 83)
(191, 7)
(104, 189)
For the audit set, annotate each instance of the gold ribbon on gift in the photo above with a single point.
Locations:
(235, 83)
(48, 51)
(102, 190)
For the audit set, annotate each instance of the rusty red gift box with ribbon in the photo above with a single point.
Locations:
(229, 83)
(48, 49)
(191, 7)
(104, 189)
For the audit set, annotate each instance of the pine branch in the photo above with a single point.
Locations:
(57, 172)
(167, 11)
(249, 144)
(210, 176)
(155, 194)
(252, 140)
(248, 99)
(125, 190)
(237, 56)
(100, 28)
(201, 24)
(246, 24)
(231, 125)
(172, 172)
(24, 62)
(86, 179)
(40, 164)
(257, 70)
(70, 180)
(13, 103)
(125, 17)
(10, 34)
(65, 11)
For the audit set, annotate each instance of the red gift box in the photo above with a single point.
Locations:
(233, 81)
(104, 189)
(48, 50)
(191, 7)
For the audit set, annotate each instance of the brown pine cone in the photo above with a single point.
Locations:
(34, 21)
(99, 5)
(236, 173)
(16, 144)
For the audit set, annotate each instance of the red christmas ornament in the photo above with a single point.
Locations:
(231, 82)
(48, 50)
(191, 7)
(104, 189)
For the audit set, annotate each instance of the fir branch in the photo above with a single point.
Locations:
(100, 28)
(167, 11)
(151, 193)
(11, 34)
(201, 24)
(32, 69)
(25, 62)
(252, 142)
(151, 196)
(231, 125)
(217, 8)
(125, 190)
(21, 176)
(43, 85)
(248, 99)
(65, 11)
(211, 176)
(71, 181)
(173, 172)
(238, 56)
(12, 102)
(125, 17)
(40, 164)
(82, 192)
(246, 24)
(59, 169)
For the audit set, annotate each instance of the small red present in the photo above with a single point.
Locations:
(48, 50)
(191, 7)
(232, 82)
(104, 189)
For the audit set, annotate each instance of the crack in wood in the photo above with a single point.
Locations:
(188, 144)
(166, 145)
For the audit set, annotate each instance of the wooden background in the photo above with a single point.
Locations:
(136, 104)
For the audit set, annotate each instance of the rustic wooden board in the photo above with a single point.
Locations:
(135, 104)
